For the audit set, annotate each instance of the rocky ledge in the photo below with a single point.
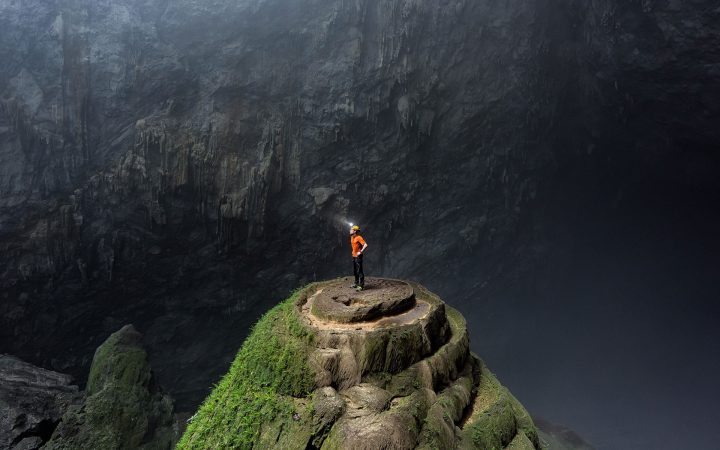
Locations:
(32, 400)
(385, 368)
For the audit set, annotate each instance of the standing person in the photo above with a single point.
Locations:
(358, 246)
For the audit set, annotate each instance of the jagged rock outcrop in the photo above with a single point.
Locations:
(401, 379)
(32, 400)
(123, 407)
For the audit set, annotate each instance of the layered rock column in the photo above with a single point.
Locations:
(385, 368)
(394, 370)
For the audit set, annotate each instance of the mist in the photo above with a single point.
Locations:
(549, 169)
(615, 328)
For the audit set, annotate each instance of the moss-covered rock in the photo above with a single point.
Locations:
(258, 394)
(402, 380)
(123, 406)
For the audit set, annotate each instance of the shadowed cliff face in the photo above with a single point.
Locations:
(182, 165)
(165, 164)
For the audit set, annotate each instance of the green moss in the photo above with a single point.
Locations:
(381, 380)
(263, 400)
(439, 426)
(335, 439)
(416, 404)
(520, 442)
(447, 361)
(372, 355)
(524, 421)
(405, 382)
(123, 407)
(498, 418)
(495, 427)
(270, 369)
(391, 350)
(404, 347)
(287, 432)
(118, 363)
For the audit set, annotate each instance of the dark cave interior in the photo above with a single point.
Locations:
(552, 172)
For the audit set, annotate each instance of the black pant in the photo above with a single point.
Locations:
(358, 270)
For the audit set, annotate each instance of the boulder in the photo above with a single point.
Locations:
(123, 406)
(32, 400)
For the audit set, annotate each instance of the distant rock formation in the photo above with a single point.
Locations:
(32, 400)
(385, 368)
(123, 407)
(558, 437)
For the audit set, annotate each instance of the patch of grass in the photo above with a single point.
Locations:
(270, 369)
(494, 428)
(497, 416)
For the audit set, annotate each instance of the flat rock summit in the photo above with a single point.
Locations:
(339, 303)
(385, 368)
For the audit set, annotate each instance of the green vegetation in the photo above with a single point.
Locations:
(498, 421)
(524, 421)
(449, 358)
(118, 364)
(269, 371)
(420, 387)
(447, 409)
(495, 427)
(122, 408)
(373, 353)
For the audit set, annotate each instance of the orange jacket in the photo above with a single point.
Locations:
(356, 244)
